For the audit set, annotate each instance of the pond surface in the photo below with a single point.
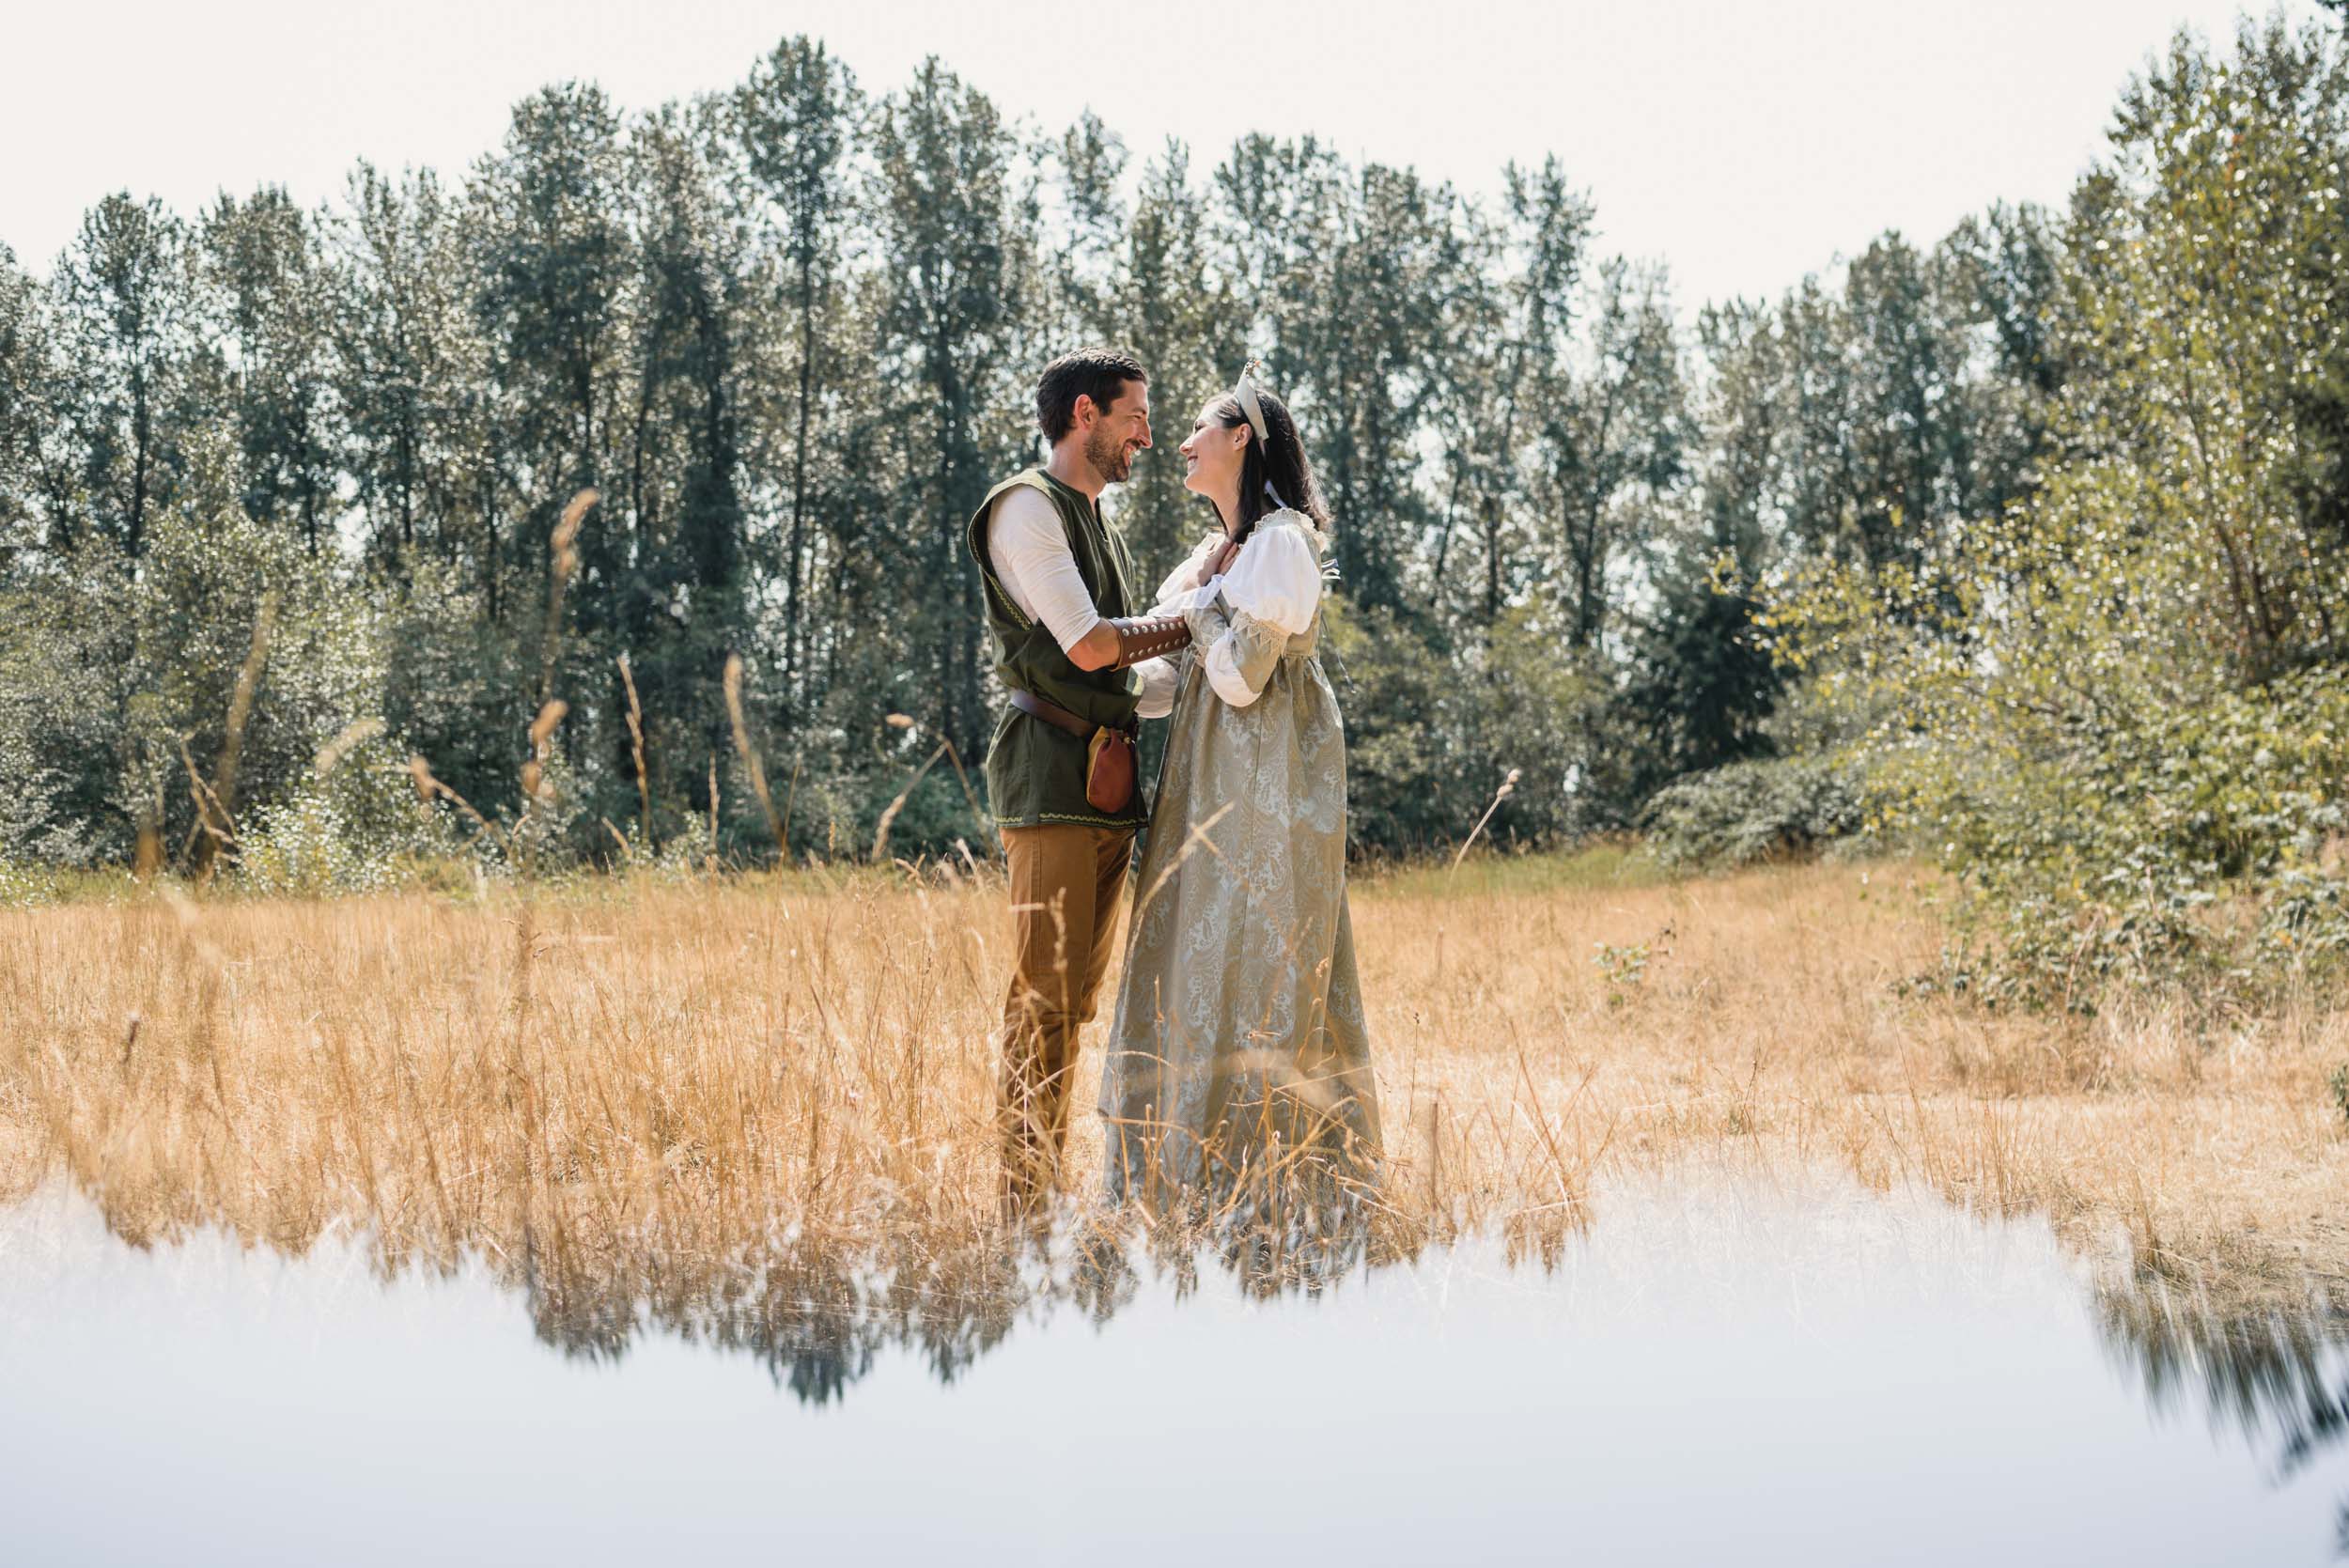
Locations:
(1707, 1376)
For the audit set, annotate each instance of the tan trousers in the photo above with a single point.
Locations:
(1066, 885)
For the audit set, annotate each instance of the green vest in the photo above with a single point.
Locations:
(1035, 774)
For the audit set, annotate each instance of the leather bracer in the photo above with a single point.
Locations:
(1141, 637)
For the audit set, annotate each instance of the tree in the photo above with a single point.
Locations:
(268, 294)
(2112, 706)
(37, 488)
(549, 216)
(126, 303)
(1176, 313)
(795, 117)
(1509, 345)
(410, 373)
(959, 232)
(667, 568)
(1702, 679)
(1609, 439)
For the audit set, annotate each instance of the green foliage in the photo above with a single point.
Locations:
(22, 883)
(113, 681)
(1702, 680)
(1765, 809)
(355, 827)
(2152, 843)
(2115, 708)
(1622, 964)
(1432, 733)
(789, 333)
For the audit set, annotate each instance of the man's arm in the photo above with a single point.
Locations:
(1131, 640)
(1097, 648)
(1030, 552)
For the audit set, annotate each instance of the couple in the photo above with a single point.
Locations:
(1238, 1061)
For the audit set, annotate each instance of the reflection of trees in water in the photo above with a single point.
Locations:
(818, 1311)
(813, 1313)
(2279, 1376)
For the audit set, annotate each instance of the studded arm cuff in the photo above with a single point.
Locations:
(1141, 637)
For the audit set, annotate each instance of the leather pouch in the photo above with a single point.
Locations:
(1110, 770)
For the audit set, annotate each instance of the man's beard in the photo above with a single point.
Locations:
(1108, 456)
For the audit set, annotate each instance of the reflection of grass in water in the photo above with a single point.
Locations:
(689, 1068)
(2266, 1373)
(2277, 1372)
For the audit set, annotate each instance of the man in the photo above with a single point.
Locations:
(1061, 593)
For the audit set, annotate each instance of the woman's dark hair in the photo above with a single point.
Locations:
(1278, 457)
(1100, 374)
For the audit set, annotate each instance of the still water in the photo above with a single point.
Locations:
(1710, 1373)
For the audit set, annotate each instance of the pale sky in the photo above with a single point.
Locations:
(1744, 142)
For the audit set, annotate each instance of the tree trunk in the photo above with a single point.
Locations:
(794, 635)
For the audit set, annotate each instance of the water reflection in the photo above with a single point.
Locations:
(2276, 1375)
(1825, 1368)
(817, 1312)
(818, 1316)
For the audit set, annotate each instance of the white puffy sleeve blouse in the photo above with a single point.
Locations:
(1240, 620)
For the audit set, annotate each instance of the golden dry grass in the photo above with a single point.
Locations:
(685, 1071)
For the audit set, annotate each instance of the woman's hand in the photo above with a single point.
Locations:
(1217, 561)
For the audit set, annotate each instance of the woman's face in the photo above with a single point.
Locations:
(1212, 456)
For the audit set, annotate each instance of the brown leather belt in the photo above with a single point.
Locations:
(1053, 714)
(1109, 752)
(1138, 638)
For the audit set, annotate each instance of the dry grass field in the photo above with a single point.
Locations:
(613, 1072)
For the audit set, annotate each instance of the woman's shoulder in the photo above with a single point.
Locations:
(1290, 534)
(1276, 575)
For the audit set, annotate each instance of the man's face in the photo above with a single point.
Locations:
(1118, 432)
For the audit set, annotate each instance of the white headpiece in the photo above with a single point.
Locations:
(1246, 393)
(1245, 390)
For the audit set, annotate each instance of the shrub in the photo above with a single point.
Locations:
(1772, 808)
(355, 827)
(2154, 842)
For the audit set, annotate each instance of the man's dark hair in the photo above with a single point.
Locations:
(1099, 374)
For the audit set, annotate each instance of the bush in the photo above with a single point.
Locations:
(1768, 809)
(2201, 843)
(1432, 730)
(357, 828)
(22, 884)
(2115, 709)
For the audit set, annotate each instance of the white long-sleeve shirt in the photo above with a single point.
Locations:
(1029, 551)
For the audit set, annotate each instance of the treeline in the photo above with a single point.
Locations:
(2119, 708)
(278, 486)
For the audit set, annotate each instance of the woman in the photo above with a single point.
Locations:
(1238, 1061)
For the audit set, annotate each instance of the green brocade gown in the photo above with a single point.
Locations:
(1238, 1056)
